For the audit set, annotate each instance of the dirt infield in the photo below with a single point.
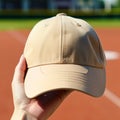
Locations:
(77, 106)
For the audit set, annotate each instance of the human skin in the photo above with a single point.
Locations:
(38, 108)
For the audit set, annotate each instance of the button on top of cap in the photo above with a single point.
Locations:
(61, 14)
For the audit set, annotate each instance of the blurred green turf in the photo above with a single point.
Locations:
(13, 24)
(104, 22)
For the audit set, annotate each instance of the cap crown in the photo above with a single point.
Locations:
(63, 40)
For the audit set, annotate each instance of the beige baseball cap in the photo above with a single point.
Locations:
(64, 52)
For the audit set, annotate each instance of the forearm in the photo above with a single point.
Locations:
(18, 115)
(21, 115)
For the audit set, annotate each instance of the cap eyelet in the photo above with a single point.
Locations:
(78, 24)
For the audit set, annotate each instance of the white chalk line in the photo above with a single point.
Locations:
(112, 97)
(17, 36)
(110, 55)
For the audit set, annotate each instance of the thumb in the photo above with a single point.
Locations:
(19, 96)
(20, 70)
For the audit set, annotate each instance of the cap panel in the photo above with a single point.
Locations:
(80, 43)
(94, 39)
(44, 43)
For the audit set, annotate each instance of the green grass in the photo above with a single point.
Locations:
(13, 24)
(104, 22)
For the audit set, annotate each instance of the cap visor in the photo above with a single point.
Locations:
(46, 78)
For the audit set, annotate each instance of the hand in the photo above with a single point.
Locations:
(39, 108)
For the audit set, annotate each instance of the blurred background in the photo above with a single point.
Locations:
(17, 17)
(44, 8)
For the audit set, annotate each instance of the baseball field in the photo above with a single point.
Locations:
(77, 106)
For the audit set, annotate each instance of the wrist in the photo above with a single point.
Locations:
(18, 114)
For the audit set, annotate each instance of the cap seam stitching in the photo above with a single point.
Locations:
(61, 39)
